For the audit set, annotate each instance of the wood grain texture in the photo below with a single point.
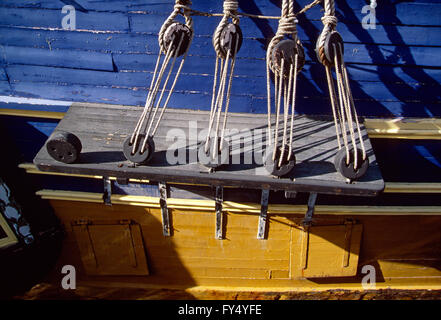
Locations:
(111, 61)
(326, 251)
(111, 249)
(111, 55)
(403, 249)
(102, 130)
(24, 17)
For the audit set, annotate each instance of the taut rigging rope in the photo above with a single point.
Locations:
(285, 59)
(350, 161)
(174, 41)
(227, 40)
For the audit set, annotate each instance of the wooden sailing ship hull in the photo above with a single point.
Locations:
(108, 60)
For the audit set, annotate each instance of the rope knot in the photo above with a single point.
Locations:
(330, 20)
(288, 25)
(184, 5)
(186, 10)
(183, 2)
(230, 6)
(230, 10)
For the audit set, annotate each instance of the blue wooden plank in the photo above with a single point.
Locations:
(90, 5)
(80, 93)
(354, 53)
(3, 76)
(382, 34)
(307, 30)
(375, 109)
(393, 90)
(113, 42)
(115, 95)
(385, 74)
(107, 42)
(132, 80)
(23, 17)
(388, 11)
(194, 64)
(126, 5)
(145, 41)
(34, 107)
(417, 77)
(148, 43)
(63, 39)
(397, 92)
(385, 34)
(125, 96)
(61, 58)
(393, 55)
(77, 76)
(318, 104)
(151, 22)
(5, 88)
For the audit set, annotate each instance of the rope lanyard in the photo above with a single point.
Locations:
(174, 41)
(227, 40)
(285, 58)
(330, 54)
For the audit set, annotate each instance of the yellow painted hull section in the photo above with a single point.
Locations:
(404, 249)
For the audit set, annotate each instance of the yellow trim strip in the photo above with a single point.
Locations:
(32, 113)
(391, 187)
(408, 187)
(406, 128)
(230, 206)
(32, 169)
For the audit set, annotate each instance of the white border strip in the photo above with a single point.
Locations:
(33, 101)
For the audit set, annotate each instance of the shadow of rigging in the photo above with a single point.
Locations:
(428, 93)
(409, 99)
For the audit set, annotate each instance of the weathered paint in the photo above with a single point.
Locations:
(400, 246)
(111, 57)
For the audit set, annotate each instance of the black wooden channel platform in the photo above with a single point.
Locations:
(103, 128)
